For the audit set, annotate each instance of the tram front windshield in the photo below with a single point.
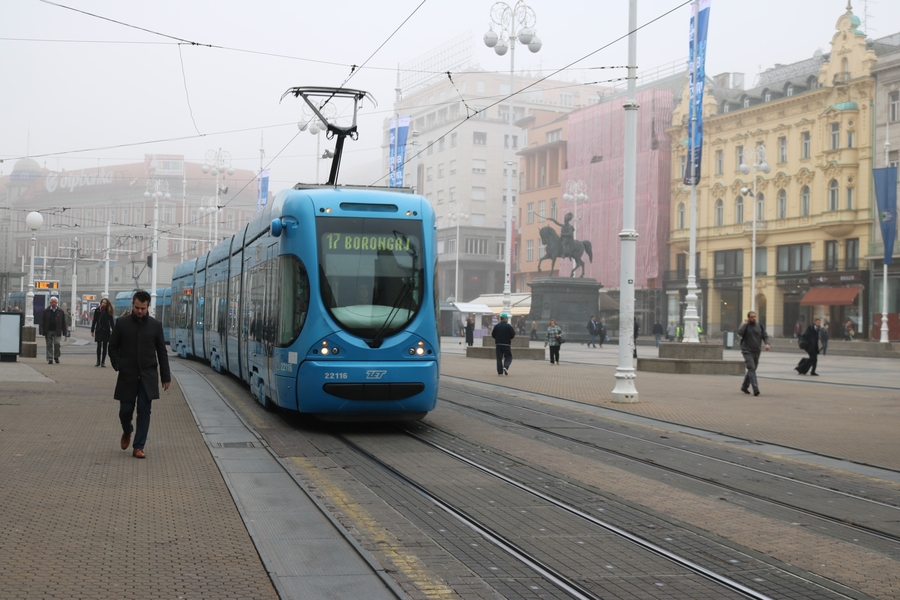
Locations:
(371, 273)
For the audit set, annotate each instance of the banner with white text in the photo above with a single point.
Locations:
(697, 76)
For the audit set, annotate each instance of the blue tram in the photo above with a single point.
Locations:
(325, 303)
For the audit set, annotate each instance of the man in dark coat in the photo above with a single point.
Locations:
(53, 327)
(593, 328)
(811, 336)
(137, 347)
(753, 337)
(503, 335)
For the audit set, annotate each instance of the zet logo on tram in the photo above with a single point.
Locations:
(373, 374)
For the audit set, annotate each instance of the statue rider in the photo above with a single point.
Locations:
(566, 235)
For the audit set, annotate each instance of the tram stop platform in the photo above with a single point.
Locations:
(210, 513)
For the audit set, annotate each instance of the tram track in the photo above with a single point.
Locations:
(769, 578)
(841, 521)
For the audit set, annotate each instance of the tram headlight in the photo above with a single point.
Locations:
(420, 351)
(325, 351)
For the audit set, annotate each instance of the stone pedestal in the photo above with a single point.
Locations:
(29, 343)
(520, 349)
(693, 359)
(571, 301)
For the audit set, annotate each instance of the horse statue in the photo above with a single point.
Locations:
(564, 246)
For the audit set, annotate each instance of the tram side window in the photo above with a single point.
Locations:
(273, 299)
(256, 287)
(295, 304)
(235, 285)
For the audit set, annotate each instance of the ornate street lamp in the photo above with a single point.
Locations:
(314, 126)
(760, 164)
(33, 221)
(457, 216)
(509, 20)
(218, 162)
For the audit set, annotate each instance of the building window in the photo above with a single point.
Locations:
(501, 250)
(738, 210)
(554, 136)
(740, 155)
(452, 193)
(479, 193)
(782, 149)
(453, 140)
(553, 210)
(683, 167)
(720, 213)
(730, 263)
(768, 96)
(229, 222)
(831, 255)
(746, 102)
(429, 148)
(565, 99)
(440, 197)
(782, 204)
(453, 167)
(720, 162)
(804, 201)
(894, 106)
(515, 141)
(530, 213)
(529, 250)
(795, 258)
(812, 83)
(852, 258)
(476, 246)
(833, 195)
(762, 258)
(789, 91)
(805, 145)
(760, 207)
(479, 138)
(428, 172)
(543, 176)
(679, 218)
(542, 210)
(725, 107)
(835, 136)
(479, 165)
(477, 220)
(440, 170)
(849, 198)
(441, 144)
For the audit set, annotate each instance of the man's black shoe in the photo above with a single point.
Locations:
(745, 390)
(814, 374)
(756, 392)
(49, 362)
(57, 361)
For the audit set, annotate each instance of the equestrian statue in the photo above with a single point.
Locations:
(564, 245)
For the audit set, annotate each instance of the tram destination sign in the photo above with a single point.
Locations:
(46, 285)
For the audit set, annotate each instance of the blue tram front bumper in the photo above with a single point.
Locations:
(367, 387)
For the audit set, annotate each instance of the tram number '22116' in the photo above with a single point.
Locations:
(332, 375)
(337, 241)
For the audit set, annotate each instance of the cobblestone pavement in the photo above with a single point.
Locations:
(81, 518)
(851, 411)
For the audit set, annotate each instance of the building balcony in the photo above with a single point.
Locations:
(839, 223)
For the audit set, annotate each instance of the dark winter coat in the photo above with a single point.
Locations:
(102, 325)
(503, 333)
(57, 318)
(136, 348)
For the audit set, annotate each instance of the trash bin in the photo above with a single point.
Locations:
(729, 339)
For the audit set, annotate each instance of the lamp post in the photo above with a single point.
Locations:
(156, 189)
(575, 193)
(33, 221)
(219, 162)
(759, 163)
(457, 216)
(625, 390)
(509, 19)
(312, 124)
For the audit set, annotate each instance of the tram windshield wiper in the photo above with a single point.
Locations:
(401, 295)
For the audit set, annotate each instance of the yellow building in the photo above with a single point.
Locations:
(813, 210)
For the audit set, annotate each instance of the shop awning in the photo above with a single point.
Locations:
(471, 307)
(828, 296)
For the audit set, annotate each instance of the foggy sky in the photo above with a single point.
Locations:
(61, 97)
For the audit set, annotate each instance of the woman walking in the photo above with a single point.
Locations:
(101, 328)
(554, 334)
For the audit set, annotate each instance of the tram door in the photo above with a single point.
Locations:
(272, 301)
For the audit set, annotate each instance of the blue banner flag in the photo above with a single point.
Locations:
(886, 196)
(262, 190)
(397, 156)
(697, 78)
